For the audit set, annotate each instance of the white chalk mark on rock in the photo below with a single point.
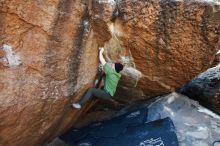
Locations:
(12, 59)
(111, 2)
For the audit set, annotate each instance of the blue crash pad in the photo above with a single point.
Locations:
(74, 135)
(108, 128)
(128, 129)
(113, 127)
(160, 132)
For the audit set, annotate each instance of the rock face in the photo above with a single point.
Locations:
(205, 89)
(48, 56)
(167, 42)
(45, 65)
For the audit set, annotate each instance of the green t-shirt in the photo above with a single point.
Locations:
(111, 79)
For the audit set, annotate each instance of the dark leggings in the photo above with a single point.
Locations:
(93, 92)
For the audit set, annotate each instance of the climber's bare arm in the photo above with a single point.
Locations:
(101, 57)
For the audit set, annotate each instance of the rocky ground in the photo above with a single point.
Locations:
(195, 125)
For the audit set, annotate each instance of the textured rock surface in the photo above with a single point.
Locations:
(45, 51)
(205, 88)
(48, 56)
(168, 42)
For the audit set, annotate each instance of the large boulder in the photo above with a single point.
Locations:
(164, 44)
(45, 64)
(205, 88)
(49, 50)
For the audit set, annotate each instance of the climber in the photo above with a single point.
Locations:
(112, 76)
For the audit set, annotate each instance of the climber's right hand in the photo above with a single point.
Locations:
(101, 50)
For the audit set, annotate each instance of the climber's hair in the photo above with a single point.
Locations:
(118, 67)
